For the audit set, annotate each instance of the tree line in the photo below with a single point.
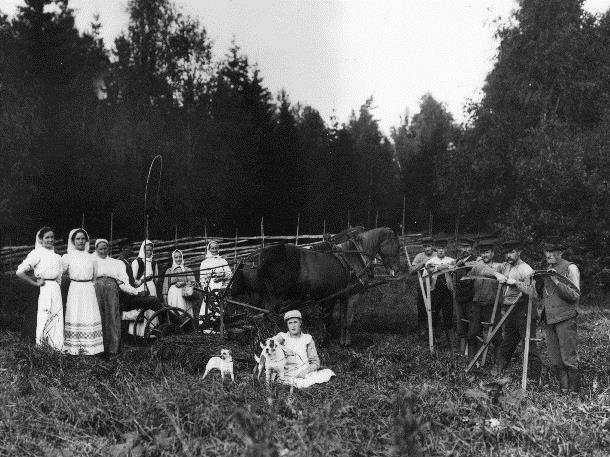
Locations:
(81, 120)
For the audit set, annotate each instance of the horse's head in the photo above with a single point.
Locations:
(390, 253)
(383, 241)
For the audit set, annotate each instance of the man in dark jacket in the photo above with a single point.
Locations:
(463, 291)
(559, 303)
(484, 296)
(133, 302)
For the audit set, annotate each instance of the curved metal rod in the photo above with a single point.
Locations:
(158, 156)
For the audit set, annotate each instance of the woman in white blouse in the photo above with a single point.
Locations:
(46, 326)
(176, 277)
(214, 271)
(111, 276)
(145, 270)
(83, 324)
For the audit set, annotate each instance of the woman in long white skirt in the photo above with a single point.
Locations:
(83, 323)
(176, 278)
(46, 326)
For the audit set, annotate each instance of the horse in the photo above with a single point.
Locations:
(289, 274)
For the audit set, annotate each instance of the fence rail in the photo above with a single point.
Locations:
(194, 248)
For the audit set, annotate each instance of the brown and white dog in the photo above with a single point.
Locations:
(224, 363)
(272, 360)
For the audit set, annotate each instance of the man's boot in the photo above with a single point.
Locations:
(463, 344)
(451, 339)
(499, 366)
(562, 378)
(472, 349)
(496, 352)
(534, 371)
(422, 331)
(573, 380)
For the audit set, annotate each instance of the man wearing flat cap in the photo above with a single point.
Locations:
(463, 290)
(416, 267)
(517, 275)
(484, 296)
(559, 302)
(441, 292)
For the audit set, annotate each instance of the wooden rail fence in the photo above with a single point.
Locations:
(233, 249)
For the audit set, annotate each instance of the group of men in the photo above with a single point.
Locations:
(463, 293)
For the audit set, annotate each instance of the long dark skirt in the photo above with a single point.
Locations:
(107, 293)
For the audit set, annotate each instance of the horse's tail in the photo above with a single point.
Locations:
(237, 286)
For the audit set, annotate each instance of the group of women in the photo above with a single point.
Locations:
(90, 323)
(79, 329)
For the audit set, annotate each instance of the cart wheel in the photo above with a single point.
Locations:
(168, 321)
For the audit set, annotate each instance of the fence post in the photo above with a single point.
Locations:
(205, 231)
(235, 252)
(296, 239)
(262, 231)
(404, 209)
(111, 234)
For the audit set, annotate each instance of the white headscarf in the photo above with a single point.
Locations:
(38, 242)
(71, 246)
(98, 241)
(174, 264)
(208, 254)
(142, 251)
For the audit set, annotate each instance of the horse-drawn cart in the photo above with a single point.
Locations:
(272, 280)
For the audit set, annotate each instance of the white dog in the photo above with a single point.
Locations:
(224, 363)
(272, 360)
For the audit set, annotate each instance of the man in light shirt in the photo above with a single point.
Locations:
(559, 302)
(419, 262)
(517, 275)
(442, 289)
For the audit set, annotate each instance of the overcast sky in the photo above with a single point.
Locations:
(334, 54)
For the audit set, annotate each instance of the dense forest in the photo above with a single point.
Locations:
(80, 121)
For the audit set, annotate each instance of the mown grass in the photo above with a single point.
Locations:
(390, 396)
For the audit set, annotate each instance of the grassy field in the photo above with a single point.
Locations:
(390, 396)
